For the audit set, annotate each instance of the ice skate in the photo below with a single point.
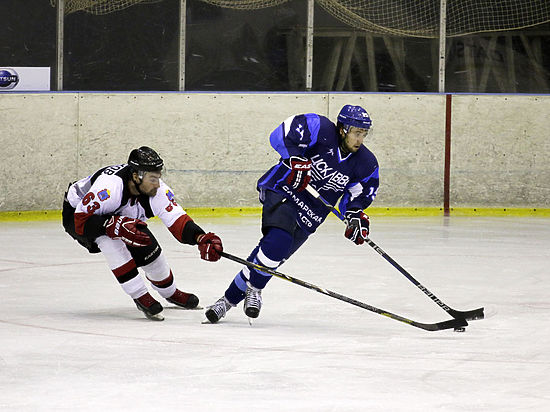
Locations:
(185, 300)
(252, 302)
(218, 310)
(150, 307)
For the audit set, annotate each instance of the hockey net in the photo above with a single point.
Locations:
(398, 17)
(245, 4)
(110, 6)
(421, 18)
(98, 6)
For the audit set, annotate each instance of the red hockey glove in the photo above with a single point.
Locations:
(209, 246)
(127, 230)
(300, 172)
(357, 226)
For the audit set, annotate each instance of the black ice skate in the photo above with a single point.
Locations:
(185, 300)
(150, 307)
(218, 310)
(252, 302)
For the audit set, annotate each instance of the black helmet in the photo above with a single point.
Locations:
(145, 159)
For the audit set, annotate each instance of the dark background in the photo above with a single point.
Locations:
(260, 50)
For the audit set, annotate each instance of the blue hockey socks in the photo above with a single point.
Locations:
(273, 248)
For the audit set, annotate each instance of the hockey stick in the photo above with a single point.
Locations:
(449, 324)
(457, 314)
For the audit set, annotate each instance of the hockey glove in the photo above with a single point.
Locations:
(357, 226)
(300, 172)
(209, 246)
(128, 230)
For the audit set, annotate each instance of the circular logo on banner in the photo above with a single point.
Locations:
(8, 79)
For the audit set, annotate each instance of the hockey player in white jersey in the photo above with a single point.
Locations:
(106, 212)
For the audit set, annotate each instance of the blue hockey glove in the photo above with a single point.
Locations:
(357, 226)
(300, 172)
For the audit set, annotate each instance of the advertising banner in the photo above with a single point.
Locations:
(24, 79)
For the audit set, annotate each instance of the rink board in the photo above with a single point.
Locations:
(216, 146)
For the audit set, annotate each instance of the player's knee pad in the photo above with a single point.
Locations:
(274, 247)
(146, 254)
(158, 269)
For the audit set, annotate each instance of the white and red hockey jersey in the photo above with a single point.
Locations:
(106, 192)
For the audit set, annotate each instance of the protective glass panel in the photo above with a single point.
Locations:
(28, 33)
(235, 49)
(348, 59)
(135, 48)
(515, 61)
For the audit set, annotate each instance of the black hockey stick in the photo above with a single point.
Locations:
(449, 324)
(457, 314)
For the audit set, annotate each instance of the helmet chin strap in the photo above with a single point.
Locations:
(137, 185)
(343, 150)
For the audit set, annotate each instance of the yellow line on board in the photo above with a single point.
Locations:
(501, 211)
(27, 215)
(458, 211)
(33, 215)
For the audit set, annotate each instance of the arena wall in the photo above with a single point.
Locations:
(216, 146)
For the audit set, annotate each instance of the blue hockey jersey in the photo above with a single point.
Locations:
(353, 178)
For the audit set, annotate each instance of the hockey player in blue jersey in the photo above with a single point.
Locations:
(334, 161)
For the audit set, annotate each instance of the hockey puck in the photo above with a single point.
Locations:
(460, 329)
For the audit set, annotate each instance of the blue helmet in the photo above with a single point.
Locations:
(354, 116)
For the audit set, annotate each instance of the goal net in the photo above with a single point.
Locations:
(99, 6)
(421, 18)
(245, 4)
(399, 17)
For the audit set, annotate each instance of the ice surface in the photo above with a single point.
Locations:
(71, 340)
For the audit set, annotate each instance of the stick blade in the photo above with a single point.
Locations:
(474, 314)
(448, 324)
